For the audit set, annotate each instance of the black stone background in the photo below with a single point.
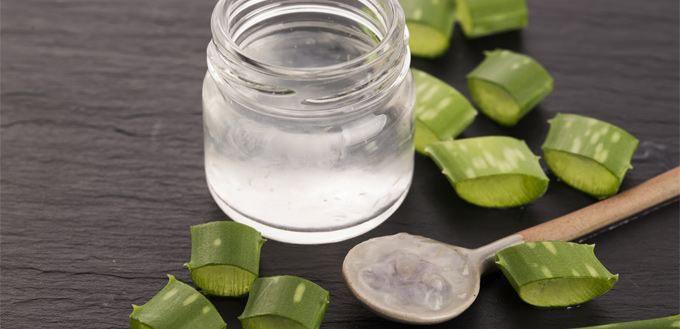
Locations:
(102, 161)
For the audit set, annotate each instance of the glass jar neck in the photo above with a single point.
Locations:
(308, 58)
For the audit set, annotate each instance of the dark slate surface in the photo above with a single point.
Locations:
(102, 169)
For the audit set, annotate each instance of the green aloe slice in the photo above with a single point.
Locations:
(660, 323)
(177, 306)
(484, 17)
(507, 85)
(284, 302)
(225, 257)
(555, 273)
(493, 171)
(430, 25)
(442, 112)
(588, 154)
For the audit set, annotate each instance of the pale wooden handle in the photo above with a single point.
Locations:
(604, 213)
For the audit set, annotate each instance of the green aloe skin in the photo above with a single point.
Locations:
(225, 258)
(284, 302)
(588, 154)
(555, 273)
(430, 25)
(441, 112)
(177, 306)
(492, 172)
(660, 323)
(507, 85)
(480, 18)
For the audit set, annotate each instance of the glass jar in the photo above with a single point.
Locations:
(308, 115)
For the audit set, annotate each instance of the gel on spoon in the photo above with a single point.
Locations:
(416, 280)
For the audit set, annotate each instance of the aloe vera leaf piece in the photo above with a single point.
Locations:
(284, 302)
(660, 323)
(485, 17)
(177, 306)
(430, 25)
(588, 154)
(225, 257)
(507, 85)
(441, 112)
(555, 273)
(492, 171)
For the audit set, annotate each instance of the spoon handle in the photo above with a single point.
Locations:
(607, 212)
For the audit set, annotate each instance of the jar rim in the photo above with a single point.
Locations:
(394, 31)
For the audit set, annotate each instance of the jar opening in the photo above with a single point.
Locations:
(306, 36)
(309, 55)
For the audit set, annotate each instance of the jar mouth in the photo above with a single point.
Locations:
(382, 20)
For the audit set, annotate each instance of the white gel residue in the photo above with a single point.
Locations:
(410, 273)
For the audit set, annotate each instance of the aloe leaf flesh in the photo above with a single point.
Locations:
(492, 171)
(284, 302)
(225, 258)
(587, 154)
(660, 323)
(555, 273)
(507, 85)
(441, 112)
(480, 18)
(177, 306)
(430, 25)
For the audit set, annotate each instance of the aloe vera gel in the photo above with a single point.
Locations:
(409, 274)
(555, 273)
(588, 154)
(308, 116)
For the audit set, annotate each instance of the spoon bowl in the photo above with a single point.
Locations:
(417, 280)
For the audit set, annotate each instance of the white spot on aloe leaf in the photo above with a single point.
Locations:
(299, 291)
(463, 147)
(190, 299)
(417, 14)
(602, 156)
(616, 136)
(217, 242)
(515, 66)
(595, 138)
(479, 163)
(574, 272)
(169, 294)
(531, 245)
(444, 103)
(591, 270)
(599, 148)
(550, 247)
(430, 93)
(525, 61)
(469, 173)
(205, 309)
(576, 145)
(546, 272)
(490, 159)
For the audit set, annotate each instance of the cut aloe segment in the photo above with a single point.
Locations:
(588, 154)
(555, 273)
(507, 85)
(284, 302)
(177, 306)
(484, 17)
(442, 113)
(430, 25)
(225, 257)
(660, 323)
(493, 172)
